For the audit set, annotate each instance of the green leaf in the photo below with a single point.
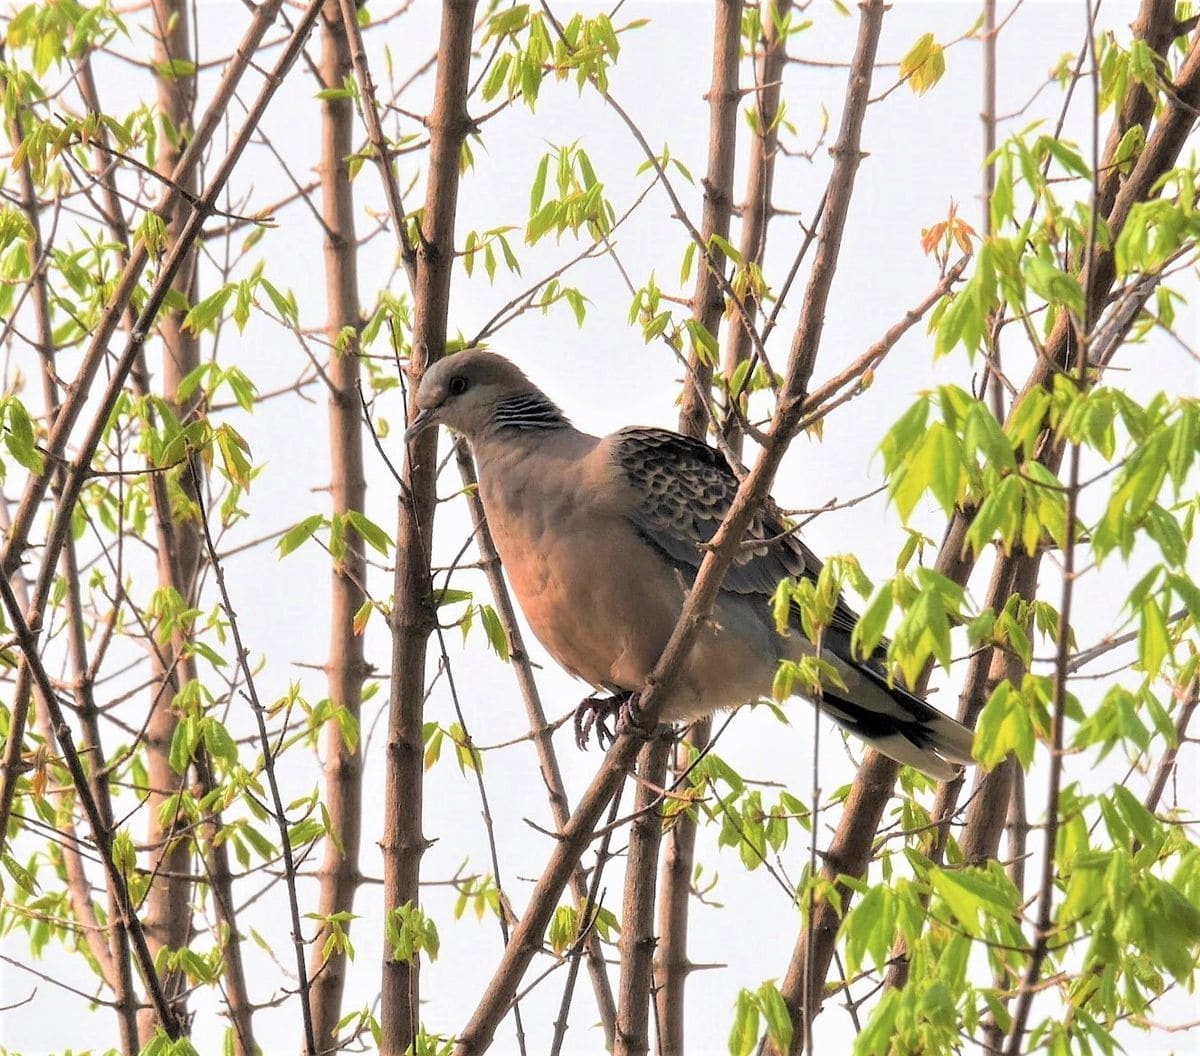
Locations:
(703, 343)
(295, 537)
(218, 742)
(506, 22)
(1003, 727)
(945, 460)
(971, 892)
(370, 531)
(183, 742)
(205, 313)
(685, 269)
(871, 625)
(1002, 193)
(492, 627)
(743, 1038)
(173, 69)
(233, 450)
(775, 1011)
(562, 930)
(19, 438)
(1154, 642)
(1055, 285)
(494, 81)
(1164, 529)
(24, 878)
(901, 438)
(1142, 823)
(538, 191)
(285, 304)
(923, 65)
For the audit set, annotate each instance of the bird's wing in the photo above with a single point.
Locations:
(682, 491)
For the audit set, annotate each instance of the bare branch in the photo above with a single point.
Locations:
(413, 619)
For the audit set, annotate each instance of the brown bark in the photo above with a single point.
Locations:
(638, 940)
(168, 917)
(708, 300)
(708, 305)
(760, 178)
(403, 840)
(346, 667)
(379, 146)
(672, 962)
(120, 969)
(1155, 25)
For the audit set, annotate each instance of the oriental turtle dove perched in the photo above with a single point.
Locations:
(602, 538)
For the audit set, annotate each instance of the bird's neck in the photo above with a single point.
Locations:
(525, 413)
(536, 429)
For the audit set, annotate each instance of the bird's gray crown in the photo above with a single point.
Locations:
(477, 392)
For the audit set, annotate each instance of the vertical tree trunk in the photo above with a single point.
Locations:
(346, 667)
(760, 179)
(403, 840)
(637, 911)
(708, 304)
(168, 908)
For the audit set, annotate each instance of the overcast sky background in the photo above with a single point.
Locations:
(923, 153)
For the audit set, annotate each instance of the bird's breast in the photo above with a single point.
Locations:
(595, 597)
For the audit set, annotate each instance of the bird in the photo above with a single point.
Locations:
(602, 537)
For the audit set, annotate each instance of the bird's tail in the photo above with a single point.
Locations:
(894, 721)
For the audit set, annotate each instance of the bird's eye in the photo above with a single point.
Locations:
(458, 385)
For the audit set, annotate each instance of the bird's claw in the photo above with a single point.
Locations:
(594, 713)
(629, 716)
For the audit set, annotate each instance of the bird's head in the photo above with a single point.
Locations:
(465, 390)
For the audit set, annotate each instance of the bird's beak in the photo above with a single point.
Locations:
(420, 423)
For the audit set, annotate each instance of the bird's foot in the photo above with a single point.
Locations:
(629, 717)
(595, 713)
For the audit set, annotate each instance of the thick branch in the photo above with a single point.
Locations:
(168, 917)
(346, 667)
(760, 179)
(708, 299)
(379, 146)
(403, 841)
(708, 303)
(637, 910)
